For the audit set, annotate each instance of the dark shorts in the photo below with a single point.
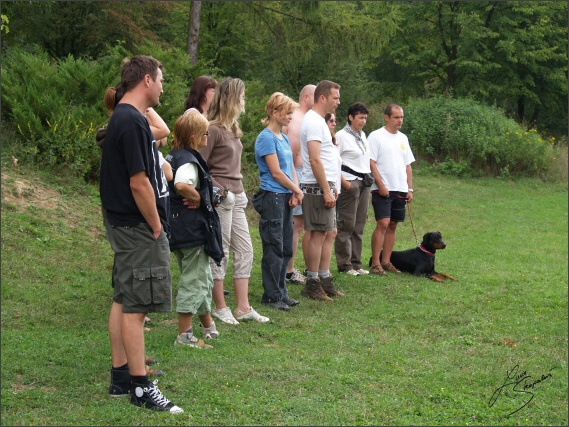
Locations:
(317, 216)
(392, 207)
(141, 271)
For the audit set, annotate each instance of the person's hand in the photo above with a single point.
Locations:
(299, 196)
(383, 191)
(190, 204)
(329, 199)
(409, 196)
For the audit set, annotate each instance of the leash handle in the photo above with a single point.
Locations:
(412, 226)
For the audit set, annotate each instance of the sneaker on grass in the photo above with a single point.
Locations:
(188, 339)
(224, 314)
(296, 278)
(120, 383)
(352, 272)
(250, 315)
(149, 396)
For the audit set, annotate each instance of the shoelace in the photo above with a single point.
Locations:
(156, 394)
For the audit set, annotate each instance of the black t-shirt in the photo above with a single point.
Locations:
(130, 148)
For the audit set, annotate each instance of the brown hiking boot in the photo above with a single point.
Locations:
(328, 287)
(312, 289)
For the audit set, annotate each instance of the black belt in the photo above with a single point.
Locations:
(353, 172)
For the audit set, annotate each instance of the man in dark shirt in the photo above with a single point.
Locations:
(135, 203)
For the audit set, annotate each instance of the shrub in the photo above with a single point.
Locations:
(464, 137)
(57, 107)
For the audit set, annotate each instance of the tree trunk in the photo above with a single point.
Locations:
(194, 31)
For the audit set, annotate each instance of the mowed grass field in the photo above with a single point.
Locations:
(490, 349)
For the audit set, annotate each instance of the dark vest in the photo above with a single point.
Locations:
(194, 227)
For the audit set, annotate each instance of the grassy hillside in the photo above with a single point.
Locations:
(397, 350)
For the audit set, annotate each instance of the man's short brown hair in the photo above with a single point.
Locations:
(134, 69)
(324, 88)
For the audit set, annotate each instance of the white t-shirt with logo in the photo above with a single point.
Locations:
(391, 153)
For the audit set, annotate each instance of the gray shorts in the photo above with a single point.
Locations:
(141, 271)
(297, 210)
(316, 215)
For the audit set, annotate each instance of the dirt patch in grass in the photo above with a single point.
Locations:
(22, 193)
(19, 193)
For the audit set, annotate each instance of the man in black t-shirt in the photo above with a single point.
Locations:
(135, 202)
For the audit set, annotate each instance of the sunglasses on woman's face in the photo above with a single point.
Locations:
(332, 120)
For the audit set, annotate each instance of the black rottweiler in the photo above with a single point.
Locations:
(421, 260)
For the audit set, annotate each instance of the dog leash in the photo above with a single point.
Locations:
(412, 226)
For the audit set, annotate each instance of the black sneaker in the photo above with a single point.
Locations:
(151, 397)
(279, 305)
(289, 301)
(120, 383)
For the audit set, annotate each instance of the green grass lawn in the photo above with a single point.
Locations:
(398, 350)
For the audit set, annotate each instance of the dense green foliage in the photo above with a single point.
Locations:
(464, 137)
(460, 69)
(56, 106)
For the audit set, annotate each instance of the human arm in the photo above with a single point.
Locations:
(274, 168)
(409, 173)
(157, 125)
(167, 168)
(319, 173)
(383, 191)
(188, 192)
(145, 200)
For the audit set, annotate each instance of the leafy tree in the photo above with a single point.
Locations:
(84, 29)
(512, 54)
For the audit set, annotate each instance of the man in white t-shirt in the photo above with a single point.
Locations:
(318, 183)
(390, 163)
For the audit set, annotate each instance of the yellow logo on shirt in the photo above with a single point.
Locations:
(402, 147)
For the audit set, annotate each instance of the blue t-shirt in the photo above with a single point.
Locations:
(268, 143)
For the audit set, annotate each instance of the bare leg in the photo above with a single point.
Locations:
(206, 320)
(327, 247)
(305, 244)
(133, 341)
(184, 322)
(242, 294)
(313, 252)
(217, 294)
(118, 355)
(388, 242)
(377, 239)
(297, 227)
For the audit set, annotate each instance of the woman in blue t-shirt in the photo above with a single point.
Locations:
(278, 194)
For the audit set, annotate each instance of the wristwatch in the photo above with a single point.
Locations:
(411, 190)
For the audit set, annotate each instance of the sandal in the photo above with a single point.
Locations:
(150, 360)
(153, 372)
(390, 267)
(376, 269)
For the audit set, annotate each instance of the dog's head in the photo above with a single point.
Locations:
(433, 241)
